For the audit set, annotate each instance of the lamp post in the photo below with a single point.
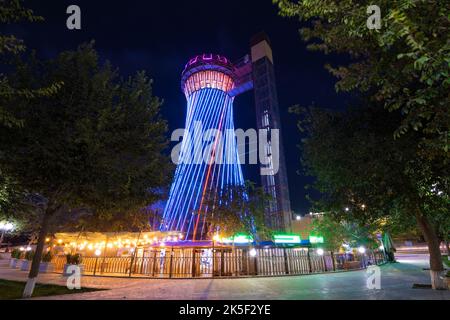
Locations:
(5, 227)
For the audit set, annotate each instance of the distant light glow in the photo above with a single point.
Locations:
(298, 218)
(98, 252)
(253, 252)
(362, 250)
(320, 252)
(6, 226)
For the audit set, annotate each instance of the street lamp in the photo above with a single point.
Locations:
(320, 252)
(298, 218)
(5, 227)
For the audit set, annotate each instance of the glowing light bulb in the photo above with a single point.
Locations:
(320, 252)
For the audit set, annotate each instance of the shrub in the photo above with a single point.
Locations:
(73, 258)
(29, 255)
(47, 257)
(16, 254)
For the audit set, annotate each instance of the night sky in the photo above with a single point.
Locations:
(160, 36)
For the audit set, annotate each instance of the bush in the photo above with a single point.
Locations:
(16, 254)
(73, 258)
(47, 257)
(29, 255)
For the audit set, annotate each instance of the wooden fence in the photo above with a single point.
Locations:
(223, 262)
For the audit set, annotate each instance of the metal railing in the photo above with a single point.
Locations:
(223, 262)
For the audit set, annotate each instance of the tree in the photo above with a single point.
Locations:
(403, 66)
(364, 175)
(12, 11)
(336, 233)
(238, 209)
(11, 48)
(97, 143)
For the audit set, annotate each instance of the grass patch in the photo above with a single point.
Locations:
(13, 290)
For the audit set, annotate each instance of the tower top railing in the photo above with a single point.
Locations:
(208, 62)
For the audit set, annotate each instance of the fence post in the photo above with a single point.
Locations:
(256, 264)
(222, 262)
(213, 260)
(286, 264)
(154, 263)
(324, 263)
(170, 263)
(95, 265)
(131, 265)
(332, 260)
(309, 262)
(193, 263)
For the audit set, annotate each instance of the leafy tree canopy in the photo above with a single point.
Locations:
(366, 176)
(404, 65)
(12, 11)
(239, 209)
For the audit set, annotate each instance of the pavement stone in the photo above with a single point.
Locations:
(396, 283)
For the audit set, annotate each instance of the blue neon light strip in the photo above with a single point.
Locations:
(213, 108)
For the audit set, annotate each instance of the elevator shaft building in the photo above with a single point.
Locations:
(278, 215)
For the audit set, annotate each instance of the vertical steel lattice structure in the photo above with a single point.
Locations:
(208, 158)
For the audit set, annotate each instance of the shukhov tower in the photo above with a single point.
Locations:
(208, 158)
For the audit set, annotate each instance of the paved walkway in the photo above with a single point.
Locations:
(396, 283)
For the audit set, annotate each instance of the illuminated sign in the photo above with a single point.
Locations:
(287, 238)
(239, 238)
(315, 239)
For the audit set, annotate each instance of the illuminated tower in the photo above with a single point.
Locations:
(208, 158)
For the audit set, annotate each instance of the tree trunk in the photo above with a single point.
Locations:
(434, 248)
(447, 245)
(34, 271)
